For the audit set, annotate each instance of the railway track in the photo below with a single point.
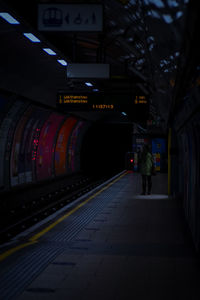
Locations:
(20, 217)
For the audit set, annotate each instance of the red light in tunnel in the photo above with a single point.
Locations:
(131, 160)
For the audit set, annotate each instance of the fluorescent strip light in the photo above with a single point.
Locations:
(123, 113)
(62, 62)
(95, 90)
(31, 37)
(9, 18)
(49, 51)
(88, 84)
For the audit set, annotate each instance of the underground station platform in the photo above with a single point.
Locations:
(112, 243)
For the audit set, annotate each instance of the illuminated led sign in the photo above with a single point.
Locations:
(140, 100)
(73, 99)
(87, 102)
(35, 143)
(103, 106)
(103, 102)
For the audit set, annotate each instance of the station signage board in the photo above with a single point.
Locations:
(70, 17)
(135, 104)
(84, 101)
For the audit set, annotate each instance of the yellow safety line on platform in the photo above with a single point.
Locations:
(41, 233)
(34, 239)
(13, 250)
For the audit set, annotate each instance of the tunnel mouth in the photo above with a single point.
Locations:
(104, 147)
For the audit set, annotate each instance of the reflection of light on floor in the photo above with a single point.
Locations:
(152, 197)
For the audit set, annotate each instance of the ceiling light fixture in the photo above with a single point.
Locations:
(31, 37)
(62, 62)
(9, 18)
(49, 51)
(88, 84)
(168, 19)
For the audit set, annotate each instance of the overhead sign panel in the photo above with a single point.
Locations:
(137, 105)
(70, 17)
(84, 101)
(88, 70)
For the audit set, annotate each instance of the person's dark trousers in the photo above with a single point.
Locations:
(146, 180)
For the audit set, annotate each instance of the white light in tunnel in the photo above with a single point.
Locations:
(49, 51)
(172, 3)
(179, 14)
(95, 90)
(62, 62)
(168, 19)
(150, 39)
(9, 18)
(151, 47)
(124, 114)
(88, 84)
(158, 3)
(31, 37)
(154, 14)
(130, 39)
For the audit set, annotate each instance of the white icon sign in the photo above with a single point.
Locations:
(70, 17)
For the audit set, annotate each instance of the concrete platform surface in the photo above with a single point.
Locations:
(130, 247)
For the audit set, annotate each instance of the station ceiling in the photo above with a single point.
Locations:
(142, 41)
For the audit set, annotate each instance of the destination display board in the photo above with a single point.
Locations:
(136, 104)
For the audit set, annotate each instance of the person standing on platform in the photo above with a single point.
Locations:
(146, 164)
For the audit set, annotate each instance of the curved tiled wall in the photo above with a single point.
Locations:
(36, 143)
(61, 145)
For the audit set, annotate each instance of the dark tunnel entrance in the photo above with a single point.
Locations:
(104, 148)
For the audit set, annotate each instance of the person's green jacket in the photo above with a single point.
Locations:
(146, 164)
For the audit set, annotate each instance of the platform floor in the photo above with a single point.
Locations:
(117, 245)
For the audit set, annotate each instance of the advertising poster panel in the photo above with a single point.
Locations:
(7, 128)
(61, 146)
(72, 147)
(159, 153)
(14, 161)
(28, 146)
(45, 150)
